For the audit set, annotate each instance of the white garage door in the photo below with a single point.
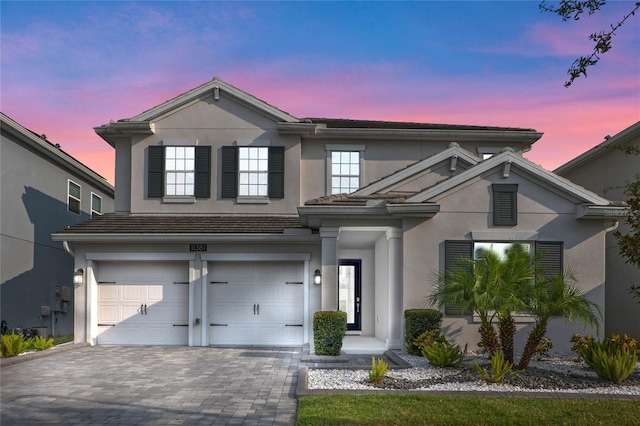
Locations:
(143, 303)
(256, 303)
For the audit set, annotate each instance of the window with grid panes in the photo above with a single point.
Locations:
(180, 170)
(345, 171)
(253, 171)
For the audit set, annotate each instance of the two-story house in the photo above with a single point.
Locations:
(43, 189)
(235, 222)
(605, 169)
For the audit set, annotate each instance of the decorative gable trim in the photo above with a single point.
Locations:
(217, 87)
(516, 161)
(454, 151)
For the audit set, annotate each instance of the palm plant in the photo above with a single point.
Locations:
(556, 297)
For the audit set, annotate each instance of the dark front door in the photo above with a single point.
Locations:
(349, 291)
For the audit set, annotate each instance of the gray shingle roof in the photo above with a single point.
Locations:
(113, 223)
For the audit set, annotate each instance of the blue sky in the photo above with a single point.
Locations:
(70, 66)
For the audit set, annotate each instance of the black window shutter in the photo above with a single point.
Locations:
(155, 176)
(550, 257)
(454, 252)
(229, 171)
(203, 172)
(505, 204)
(276, 172)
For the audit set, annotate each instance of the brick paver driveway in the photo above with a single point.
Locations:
(153, 385)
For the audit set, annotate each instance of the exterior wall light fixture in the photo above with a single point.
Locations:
(317, 278)
(78, 277)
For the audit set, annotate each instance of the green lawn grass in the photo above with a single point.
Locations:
(414, 409)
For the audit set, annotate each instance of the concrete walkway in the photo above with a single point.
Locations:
(152, 385)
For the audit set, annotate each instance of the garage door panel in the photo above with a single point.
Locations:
(143, 302)
(256, 301)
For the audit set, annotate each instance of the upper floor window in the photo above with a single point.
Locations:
(180, 169)
(96, 205)
(252, 172)
(73, 197)
(345, 171)
(253, 169)
(179, 172)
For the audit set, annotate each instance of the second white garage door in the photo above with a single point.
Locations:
(256, 303)
(143, 303)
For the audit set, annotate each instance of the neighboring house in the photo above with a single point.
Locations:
(605, 169)
(43, 190)
(233, 226)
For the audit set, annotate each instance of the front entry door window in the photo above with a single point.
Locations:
(349, 293)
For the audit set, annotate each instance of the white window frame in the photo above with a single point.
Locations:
(73, 197)
(253, 171)
(331, 149)
(180, 171)
(93, 211)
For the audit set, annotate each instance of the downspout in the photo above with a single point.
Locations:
(65, 245)
(70, 252)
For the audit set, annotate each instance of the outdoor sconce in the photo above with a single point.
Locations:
(78, 277)
(317, 278)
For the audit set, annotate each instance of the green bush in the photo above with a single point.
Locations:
(614, 359)
(416, 322)
(438, 351)
(41, 344)
(328, 331)
(14, 344)
(500, 371)
(378, 370)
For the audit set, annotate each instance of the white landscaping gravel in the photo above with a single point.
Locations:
(358, 379)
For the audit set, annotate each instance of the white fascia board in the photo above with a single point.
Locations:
(630, 132)
(417, 168)
(517, 161)
(602, 212)
(413, 210)
(199, 91)
(134, 256)
(505, 137)
(255, 257)
(186, 238)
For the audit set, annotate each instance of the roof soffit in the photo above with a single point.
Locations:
(544, 177)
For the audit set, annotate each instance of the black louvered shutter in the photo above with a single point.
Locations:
(203, 172)
(229, 171)
(505, 205)
(155, 175)
(276, 172)
(454, 252)
(550, 257)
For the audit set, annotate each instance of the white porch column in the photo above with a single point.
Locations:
(394, 237)
(329, 268)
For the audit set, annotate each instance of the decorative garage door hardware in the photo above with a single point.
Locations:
(219, 325)
(106, 325)
(254, 309)
(106, 282)
(219, 282)
(181, 325)
(293, 325)
(181, 282)
(143, 309)
(294, 282)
